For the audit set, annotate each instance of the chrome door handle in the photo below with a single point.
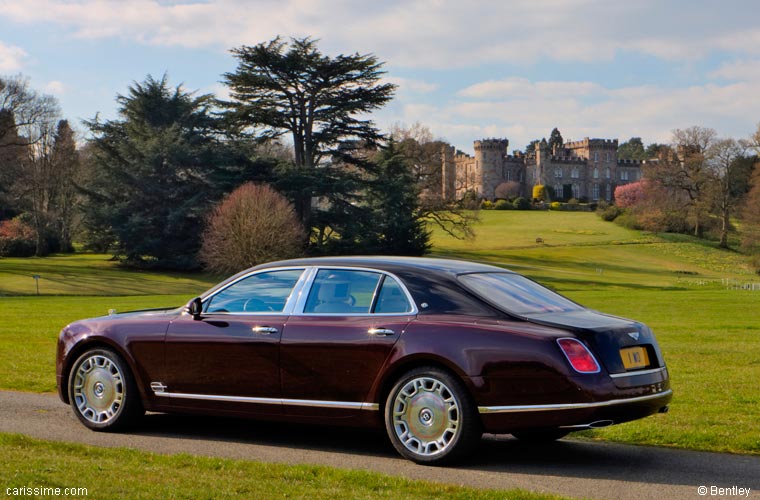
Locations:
(383, 332)
(264, 330)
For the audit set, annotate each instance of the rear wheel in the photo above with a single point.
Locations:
(102, 391)
(430, 417)
(541, 435)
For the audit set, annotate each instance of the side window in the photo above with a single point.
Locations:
(342, 291)
(262, 292)
(392, 298)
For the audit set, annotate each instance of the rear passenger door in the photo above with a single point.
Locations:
(332, 350)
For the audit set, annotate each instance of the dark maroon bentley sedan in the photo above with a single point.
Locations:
(438, 351)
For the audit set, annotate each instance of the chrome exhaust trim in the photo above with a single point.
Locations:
(598, 424)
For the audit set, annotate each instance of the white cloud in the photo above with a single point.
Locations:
(11, 58)
(741, 70)
(55, 87)
(421, 33)
(522, 110)
(411, 84)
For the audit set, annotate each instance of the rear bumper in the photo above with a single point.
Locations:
(504, 419)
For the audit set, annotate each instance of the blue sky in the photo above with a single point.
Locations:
(467, 70)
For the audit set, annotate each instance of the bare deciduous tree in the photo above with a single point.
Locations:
(688, 173)
(723, 158)
(254, 224)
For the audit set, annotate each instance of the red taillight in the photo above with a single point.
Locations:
(579, 356)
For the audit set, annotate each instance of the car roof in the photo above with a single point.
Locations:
(392, 264)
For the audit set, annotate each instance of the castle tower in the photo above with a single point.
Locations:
(489, 158)
(448, 173)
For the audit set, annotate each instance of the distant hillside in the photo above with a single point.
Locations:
(580, 250)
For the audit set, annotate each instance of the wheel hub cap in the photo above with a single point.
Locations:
(425, 416)
(98, 389)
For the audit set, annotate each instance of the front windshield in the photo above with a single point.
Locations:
(516, 294)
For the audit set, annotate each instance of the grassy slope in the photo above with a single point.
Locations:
(91, 274)
(110, 473)
(710, 336)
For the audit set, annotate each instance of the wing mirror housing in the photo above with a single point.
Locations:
(195, 308)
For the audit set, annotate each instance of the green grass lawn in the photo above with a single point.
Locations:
(581, 251)
(110, 473)
(710, 336)
(92, 274)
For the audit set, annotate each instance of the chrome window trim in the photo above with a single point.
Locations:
(571, 406)
(301, 303)
(345, 405)
(640, 372)
(289, 302)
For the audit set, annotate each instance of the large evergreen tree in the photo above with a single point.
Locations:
(67, 170)
(292, 88)
(633, 149)
(555, 140)
(397, 223)
(150, 183)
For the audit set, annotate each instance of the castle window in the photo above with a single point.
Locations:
(596, 173)
(607, 172)
(596, 156)
(576, 191)
(574, 173)
(624, 175)
(608, 156)
(558, 173)
(608, 193)
(558, 191)
(508, 177)
(595, 192)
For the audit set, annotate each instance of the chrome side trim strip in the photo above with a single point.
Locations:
(570, 406)
(349, 405)
(640, 372)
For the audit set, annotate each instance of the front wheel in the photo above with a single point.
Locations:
(430, 417)
(102, 391)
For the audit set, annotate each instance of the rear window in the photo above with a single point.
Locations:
(516, 294)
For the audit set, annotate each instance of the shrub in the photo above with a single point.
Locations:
(254, 224)
(539, 192)
(609, 212)
(555, 205)
(521, 204)
(470, 200)
(629, 195)
(502, 205)
(17, 238)
(507, 190)
(486, 205)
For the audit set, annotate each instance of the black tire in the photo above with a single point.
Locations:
(430, 417)
(102, 391)
(539, 436)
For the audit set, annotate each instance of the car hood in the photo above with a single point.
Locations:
(147, 313)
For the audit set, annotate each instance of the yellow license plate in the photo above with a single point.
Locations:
(634, 357)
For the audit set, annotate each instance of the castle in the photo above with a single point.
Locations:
(585, 170)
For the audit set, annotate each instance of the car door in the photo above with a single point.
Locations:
(229, 358)
(333, 349)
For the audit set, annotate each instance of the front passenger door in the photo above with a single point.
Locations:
(230, 357)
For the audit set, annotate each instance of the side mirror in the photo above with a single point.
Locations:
(195, 308)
